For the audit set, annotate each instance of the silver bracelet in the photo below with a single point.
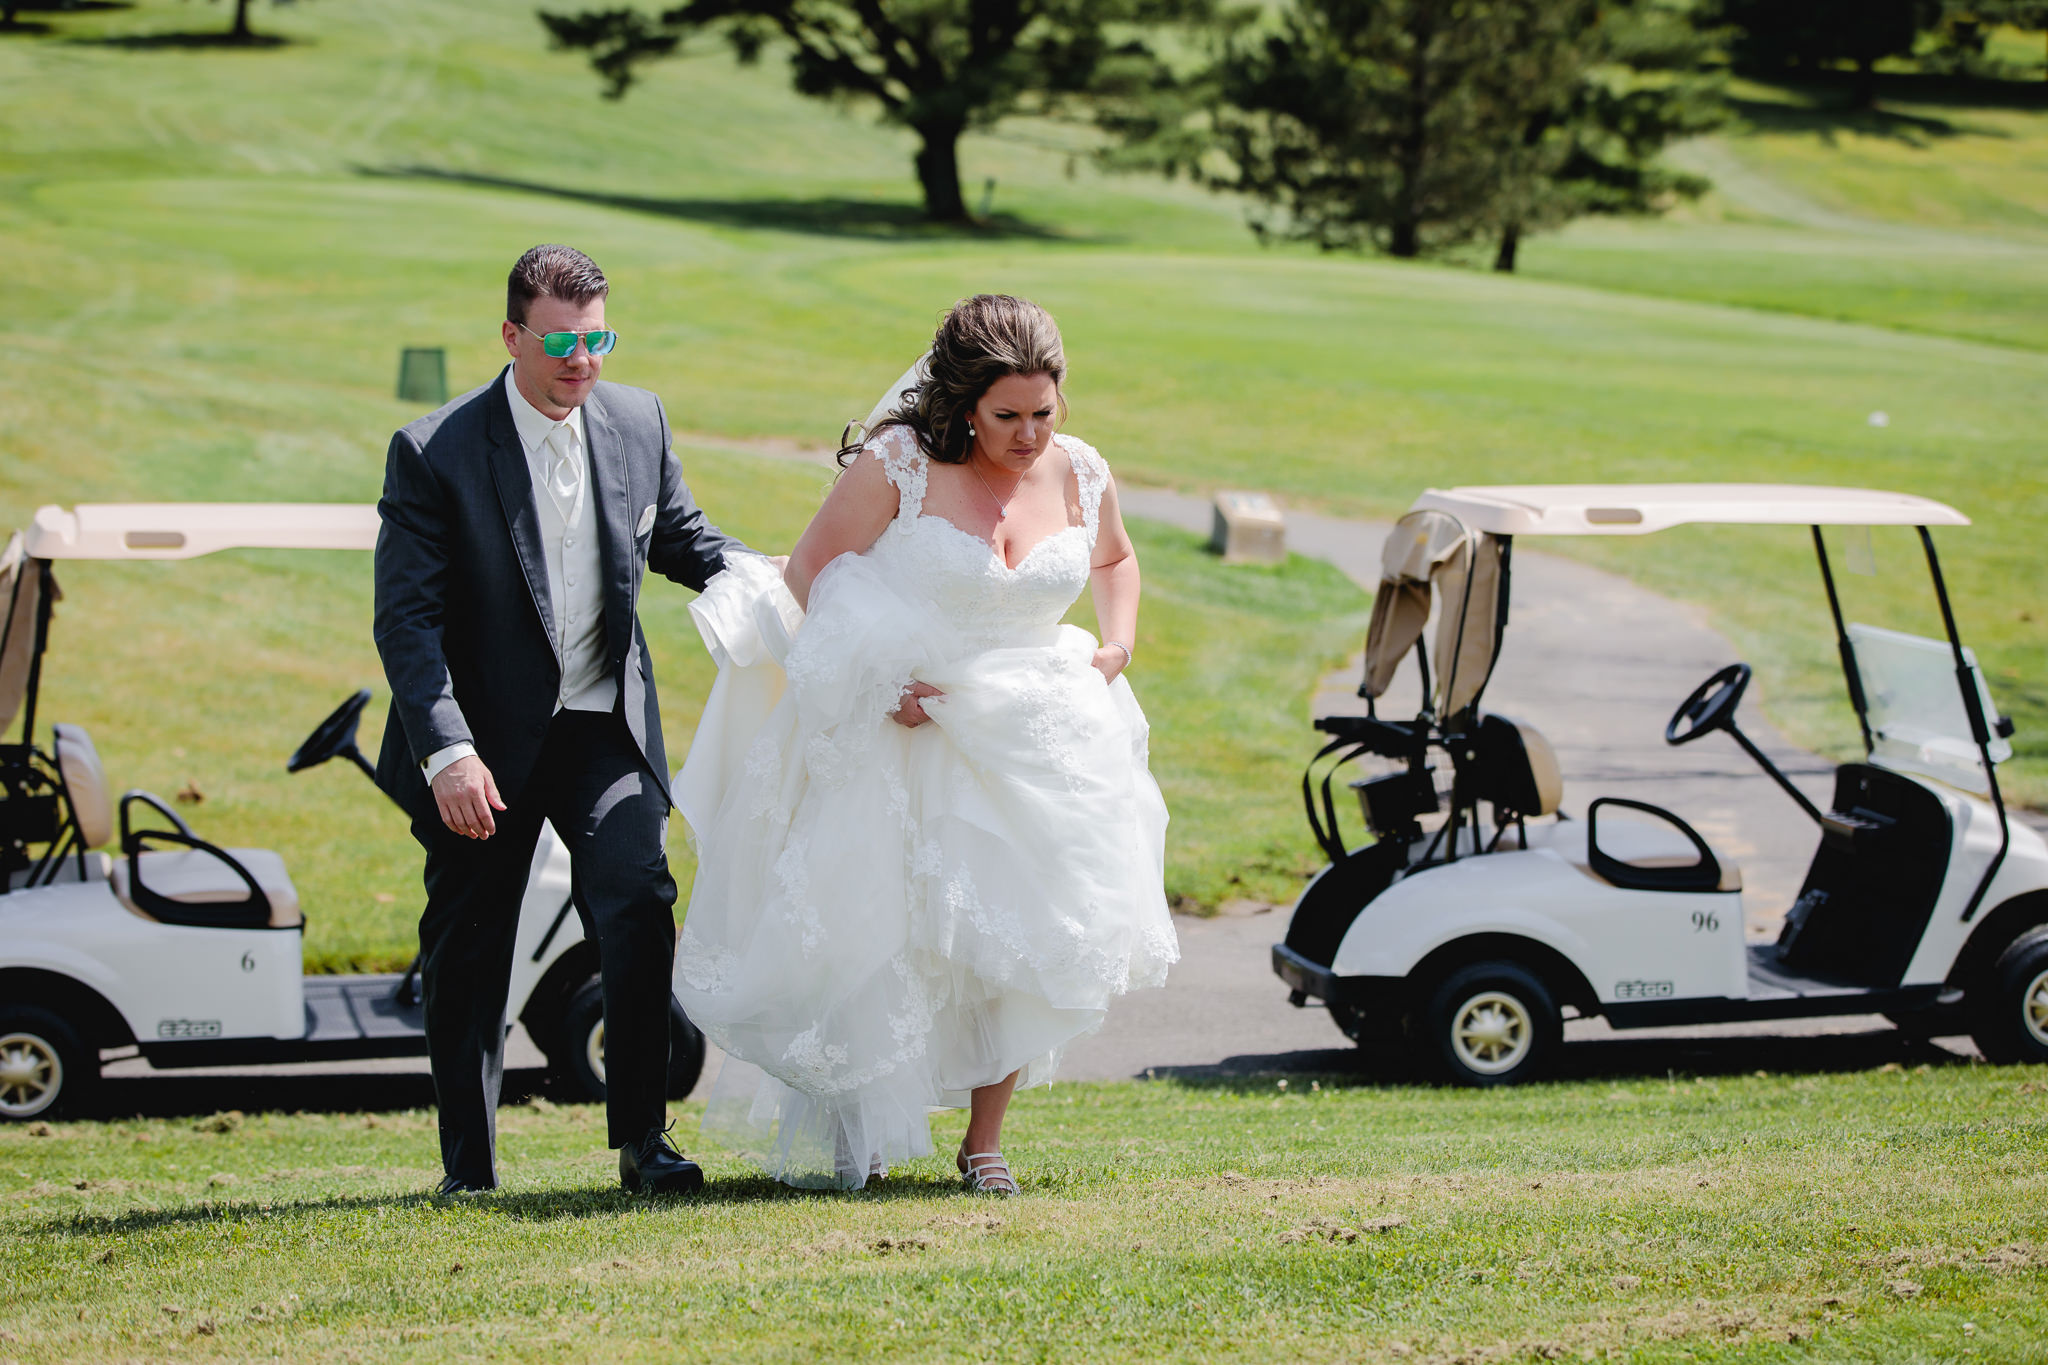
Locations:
(1119, 644)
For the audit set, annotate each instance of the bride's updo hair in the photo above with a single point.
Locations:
(982, 339)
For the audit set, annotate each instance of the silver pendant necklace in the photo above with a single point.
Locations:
(1002, 504)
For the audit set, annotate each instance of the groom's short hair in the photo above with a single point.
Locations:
(552, 272)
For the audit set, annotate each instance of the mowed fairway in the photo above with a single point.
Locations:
(1885, 1216)
(215, 256)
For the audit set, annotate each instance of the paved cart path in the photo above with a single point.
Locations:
(1593, 661)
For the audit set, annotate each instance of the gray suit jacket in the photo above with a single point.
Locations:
(464, 623)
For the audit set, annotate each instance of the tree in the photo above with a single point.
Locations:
(241, 31)
(1777, 35)
(1383, 122)
(937, 67)
(1643, 81)
(1417, 125)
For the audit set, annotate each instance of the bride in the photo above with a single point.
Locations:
(930, 849)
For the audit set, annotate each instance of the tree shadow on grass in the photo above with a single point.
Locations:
(192, 42)
(1828, 123)
(872, 220)
(1830, 108)
(34, 28)
(1618, 1058)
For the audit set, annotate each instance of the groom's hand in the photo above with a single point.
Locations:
(466, 794)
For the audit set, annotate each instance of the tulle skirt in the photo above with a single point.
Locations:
(885, 919)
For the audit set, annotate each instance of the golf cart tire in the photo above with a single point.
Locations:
(2011, 1023)
(46, 1070)
(579, 1055)
(1492, 1023)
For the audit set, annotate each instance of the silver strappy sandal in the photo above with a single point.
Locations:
(987, 1173)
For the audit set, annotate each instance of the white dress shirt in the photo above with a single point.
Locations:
(558, 461)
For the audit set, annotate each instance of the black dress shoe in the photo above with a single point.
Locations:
(652, 1165)
(456, 1184)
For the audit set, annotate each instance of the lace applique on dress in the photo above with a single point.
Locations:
(905, 465)
(1091, 474)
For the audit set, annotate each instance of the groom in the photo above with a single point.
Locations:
(517, 521)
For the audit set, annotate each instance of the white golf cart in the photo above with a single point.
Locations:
(121, 928)
(1478, 917)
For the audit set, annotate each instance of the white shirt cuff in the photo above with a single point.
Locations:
(440, 759)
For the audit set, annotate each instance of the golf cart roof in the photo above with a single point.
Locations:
(1635, 509)
(182, 530)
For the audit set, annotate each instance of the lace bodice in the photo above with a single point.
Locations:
(960, 574)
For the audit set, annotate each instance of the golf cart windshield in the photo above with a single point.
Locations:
(1917, 721)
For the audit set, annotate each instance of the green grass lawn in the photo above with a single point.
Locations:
(215, 255)
(1882, 1216)
(1929, 213)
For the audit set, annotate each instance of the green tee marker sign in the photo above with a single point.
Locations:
(423, 375)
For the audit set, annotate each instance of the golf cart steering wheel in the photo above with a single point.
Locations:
(1710, 707)
(332, 737)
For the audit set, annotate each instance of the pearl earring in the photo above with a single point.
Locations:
(970, 428)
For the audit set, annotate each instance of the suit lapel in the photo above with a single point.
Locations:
(515, 494)
(611, 487)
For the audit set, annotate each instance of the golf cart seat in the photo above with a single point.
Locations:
(1511, 765)
(91, 820)
(198, 884)
(1657, 853)
(197, 887)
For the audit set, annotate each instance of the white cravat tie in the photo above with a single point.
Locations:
(565, 470)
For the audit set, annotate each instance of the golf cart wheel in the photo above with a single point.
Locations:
(2012, 1024)
(581, 1053)
(45, 1068)
(1492, 1023)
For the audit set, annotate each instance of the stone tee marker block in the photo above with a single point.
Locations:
(1249, 529)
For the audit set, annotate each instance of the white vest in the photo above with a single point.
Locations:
(575, 569)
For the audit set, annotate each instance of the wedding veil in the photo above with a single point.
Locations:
(916, 375)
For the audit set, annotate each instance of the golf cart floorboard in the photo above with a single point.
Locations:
(1775, 993)
(348, 1018)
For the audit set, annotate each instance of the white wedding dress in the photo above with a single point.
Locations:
(885, 918)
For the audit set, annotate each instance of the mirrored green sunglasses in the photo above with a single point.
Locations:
(559, 345)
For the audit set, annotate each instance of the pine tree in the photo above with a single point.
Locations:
(1417, 125)
(1642, 81)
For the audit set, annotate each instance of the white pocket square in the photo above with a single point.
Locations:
(646, 522)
